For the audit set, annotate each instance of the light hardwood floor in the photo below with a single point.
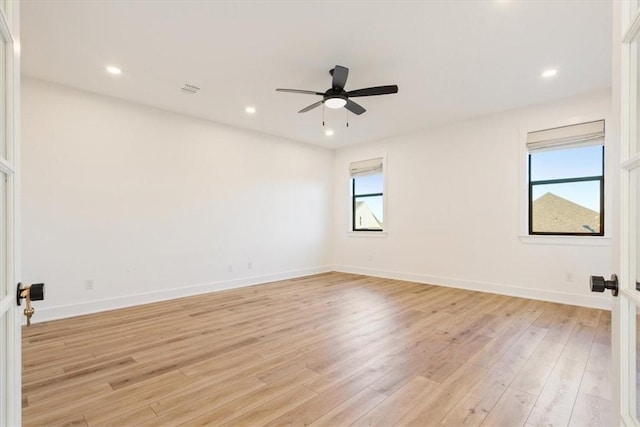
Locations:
(329, 350)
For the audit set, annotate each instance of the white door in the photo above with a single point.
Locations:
(626, 309)
(10, 357)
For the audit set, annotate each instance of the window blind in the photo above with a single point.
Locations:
(365, 167)
(583, 134)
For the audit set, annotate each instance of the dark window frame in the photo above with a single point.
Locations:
(354, 198)
(599, 178)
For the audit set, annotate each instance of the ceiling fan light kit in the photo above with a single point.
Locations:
(335, 102)
(336, 97)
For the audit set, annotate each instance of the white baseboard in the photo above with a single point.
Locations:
(591, 301)
(72, 310)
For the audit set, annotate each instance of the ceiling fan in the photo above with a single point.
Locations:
(336, 97)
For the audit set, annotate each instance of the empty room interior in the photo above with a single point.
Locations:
(318, 213)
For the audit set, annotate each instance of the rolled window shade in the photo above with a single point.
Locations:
(366, 167)
(583, 134)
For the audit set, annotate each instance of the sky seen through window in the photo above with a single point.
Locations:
(371, 184)
(569, 163)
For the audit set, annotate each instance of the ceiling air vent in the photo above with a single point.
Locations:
(191, 89)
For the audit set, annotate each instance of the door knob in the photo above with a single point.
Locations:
(599, 284)
(30, 293)
(37, 292)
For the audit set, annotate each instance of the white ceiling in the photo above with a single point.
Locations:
(452, 60)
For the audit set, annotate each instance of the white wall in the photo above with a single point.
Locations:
(456, 209)
(150, 205)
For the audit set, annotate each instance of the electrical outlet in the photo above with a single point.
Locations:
(250, 265)
(568, 277)
(230, 268)
(88, 285)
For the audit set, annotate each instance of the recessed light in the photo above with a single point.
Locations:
(114, 70)
(250, 110)
(328, 132)
(549, 73)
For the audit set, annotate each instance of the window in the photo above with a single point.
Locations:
(566, 180)
(367, 195)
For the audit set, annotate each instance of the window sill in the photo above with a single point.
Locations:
(566, 240)
(379, 234)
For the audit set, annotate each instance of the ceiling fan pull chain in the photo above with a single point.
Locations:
(347, 117)
(323, 114)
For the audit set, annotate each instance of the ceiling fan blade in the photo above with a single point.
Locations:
(311, 107)
(340, 75)
(370, 91)
(307, 92)
(354, 108)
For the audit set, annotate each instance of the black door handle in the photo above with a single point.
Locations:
(34, 292)
(30, 293)
(599, 284)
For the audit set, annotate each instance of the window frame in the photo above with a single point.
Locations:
(599, 178)
(354, 198)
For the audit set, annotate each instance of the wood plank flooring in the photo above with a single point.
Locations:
(328, 350)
